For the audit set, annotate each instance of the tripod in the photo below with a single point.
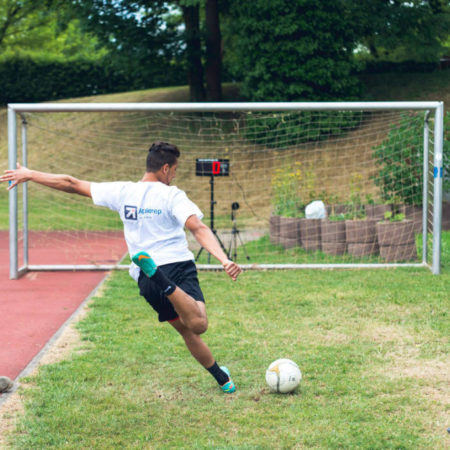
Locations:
(235, 235)
(212, 203)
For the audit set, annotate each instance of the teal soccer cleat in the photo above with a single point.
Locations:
(228, 387)
(145, 262)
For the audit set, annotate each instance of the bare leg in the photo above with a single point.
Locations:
(201, 352)
(198, 348)
(191, 312)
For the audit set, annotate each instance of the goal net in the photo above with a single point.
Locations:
(307, 185)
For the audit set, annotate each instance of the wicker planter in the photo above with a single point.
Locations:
(275, 230)
(361, 236)
(289, 232)
(310, 232)
(397, 240)
(333, 237)
(377, 211)
(415, 214)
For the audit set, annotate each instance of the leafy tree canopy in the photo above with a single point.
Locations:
(44, 29)
(398, 30)
(138, 28)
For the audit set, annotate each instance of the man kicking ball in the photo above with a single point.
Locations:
(154, 215)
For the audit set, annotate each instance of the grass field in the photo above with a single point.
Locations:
(372, 345)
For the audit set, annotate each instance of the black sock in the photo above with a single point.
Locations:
(163, 282)
(220, 376)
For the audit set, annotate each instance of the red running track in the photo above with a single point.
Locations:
(33, 308)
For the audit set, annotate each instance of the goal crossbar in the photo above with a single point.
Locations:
(216, 107)
(435, 107)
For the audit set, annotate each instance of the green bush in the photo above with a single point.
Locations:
(294, 51)
(400, 160)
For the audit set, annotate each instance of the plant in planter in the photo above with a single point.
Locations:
(287, 206)
(375, 210)
(396, 237)
(360, 232)
(335, 207)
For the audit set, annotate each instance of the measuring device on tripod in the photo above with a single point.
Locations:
(212, 168)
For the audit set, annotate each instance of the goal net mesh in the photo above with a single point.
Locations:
(365, 167)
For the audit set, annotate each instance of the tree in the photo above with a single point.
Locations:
(191, 16)
(161, 34)
(45, 29)
(401, 30)
(19, 18)
(142, 36)
(213, 43)
(213, 51)
(294, 50)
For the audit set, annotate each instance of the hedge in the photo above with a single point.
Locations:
(28, 80)
(399, 67)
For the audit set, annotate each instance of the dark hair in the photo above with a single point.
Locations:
(161, 153)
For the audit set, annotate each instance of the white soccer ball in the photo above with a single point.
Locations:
(283, 376)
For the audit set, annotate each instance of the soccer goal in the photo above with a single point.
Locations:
(282, 185)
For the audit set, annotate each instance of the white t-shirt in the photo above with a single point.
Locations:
(153, 216)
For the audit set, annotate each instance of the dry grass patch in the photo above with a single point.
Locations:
(382, 333)
(403, 361)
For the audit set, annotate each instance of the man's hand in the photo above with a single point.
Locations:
(60, 182)
(208, 241)
(232, 269)
(16, 176)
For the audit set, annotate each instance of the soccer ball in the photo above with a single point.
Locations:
(283, 376)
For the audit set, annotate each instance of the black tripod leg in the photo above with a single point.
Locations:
(199, 253)
(220, 243)
(243, 245)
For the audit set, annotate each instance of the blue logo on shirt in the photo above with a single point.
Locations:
(133, 212)
(149, 211)
(130, 212)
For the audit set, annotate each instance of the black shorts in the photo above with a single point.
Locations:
(184, 275)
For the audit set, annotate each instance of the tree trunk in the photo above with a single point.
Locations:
(213, 51)
(194, 53)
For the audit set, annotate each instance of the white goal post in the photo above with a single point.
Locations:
(432, 173)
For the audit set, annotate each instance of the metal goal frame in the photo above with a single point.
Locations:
(436, 107)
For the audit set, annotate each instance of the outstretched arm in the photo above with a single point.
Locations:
(208, 241)
(64, 183)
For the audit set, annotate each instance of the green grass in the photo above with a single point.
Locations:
(372, 346)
